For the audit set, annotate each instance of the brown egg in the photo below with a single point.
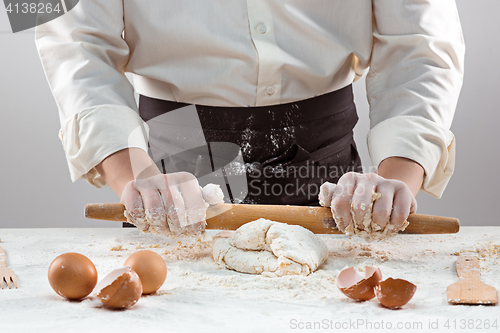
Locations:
(151, 269)
(394, 293)
(353, 285)
(120, 289)
(72, 275)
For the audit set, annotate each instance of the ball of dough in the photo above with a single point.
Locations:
(212, 194)
(271, 248)
(326, 194)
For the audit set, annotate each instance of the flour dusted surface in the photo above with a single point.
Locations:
(198, 295)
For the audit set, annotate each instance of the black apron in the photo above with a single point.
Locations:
(286, 151)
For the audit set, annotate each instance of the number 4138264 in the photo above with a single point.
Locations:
(33, 8)
(475, 324)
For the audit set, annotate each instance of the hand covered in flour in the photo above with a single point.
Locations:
(368, 205)
(166, 204)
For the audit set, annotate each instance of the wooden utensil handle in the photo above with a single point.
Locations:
(317, 219)
(468, 267)
(3, 258)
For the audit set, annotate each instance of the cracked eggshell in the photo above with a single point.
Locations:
(357, 287)
(72, 275)
(151, 269)
(394, 293)
(120, 289)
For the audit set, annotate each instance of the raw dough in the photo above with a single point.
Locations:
(271, 248)
(212, 194)
(372, 231)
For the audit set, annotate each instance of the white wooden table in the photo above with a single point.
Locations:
(199, 296)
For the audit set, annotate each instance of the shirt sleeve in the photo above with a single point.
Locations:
(413, 85)
(84, 56)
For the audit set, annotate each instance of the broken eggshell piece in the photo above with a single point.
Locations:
(120, 289)
(357, 287)
(394, 293)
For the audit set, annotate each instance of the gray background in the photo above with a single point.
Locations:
(36, 190)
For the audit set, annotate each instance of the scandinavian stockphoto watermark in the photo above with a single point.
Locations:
(26, 14)
(292, 180)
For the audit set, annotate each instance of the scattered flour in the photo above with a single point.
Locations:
(200, 295)
(483, 251)
(118, 247)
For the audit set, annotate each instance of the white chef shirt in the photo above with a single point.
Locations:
(254, 53)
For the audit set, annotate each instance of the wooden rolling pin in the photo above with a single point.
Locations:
(317, 219)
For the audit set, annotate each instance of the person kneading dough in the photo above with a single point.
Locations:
(266, 84)
(371, 227)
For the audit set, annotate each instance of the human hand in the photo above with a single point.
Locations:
(166, 204)
(368, 204)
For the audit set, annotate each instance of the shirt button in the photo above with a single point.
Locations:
(262, 28)
(270, 90)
